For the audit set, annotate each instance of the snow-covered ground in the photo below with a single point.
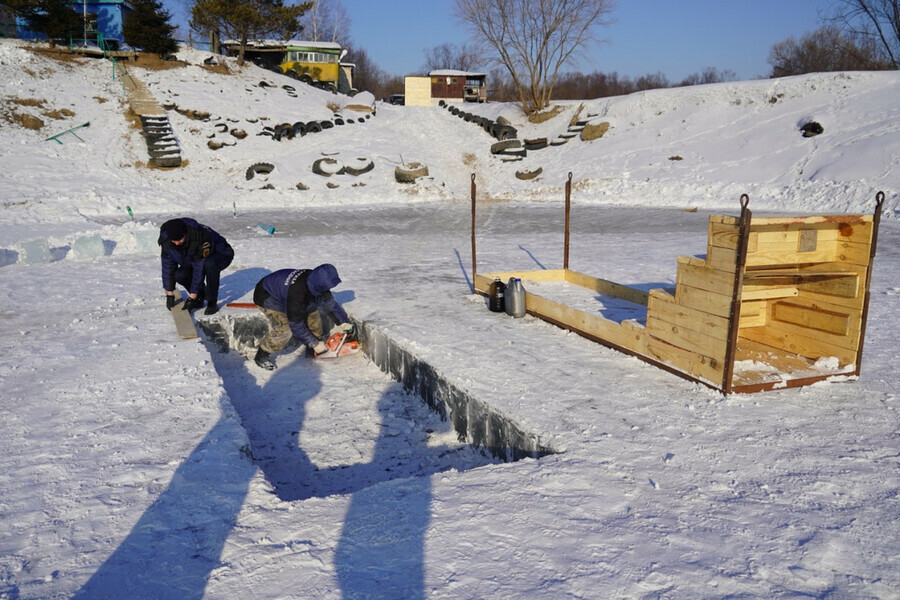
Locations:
(138, 465)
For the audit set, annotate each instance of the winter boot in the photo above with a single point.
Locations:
(212, 306)
(262, 360)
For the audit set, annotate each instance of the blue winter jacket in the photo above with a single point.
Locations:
(202, 241)
(299, 292)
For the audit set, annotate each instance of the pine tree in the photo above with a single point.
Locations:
(243, 20)
(147, 27)
(56, 19)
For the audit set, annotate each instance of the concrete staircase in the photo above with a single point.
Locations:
(162, 144)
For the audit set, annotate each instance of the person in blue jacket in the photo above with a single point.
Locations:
(192, 253)
(298, 303)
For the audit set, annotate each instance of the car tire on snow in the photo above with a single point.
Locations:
(261, 168)
(498, 147)
(505, 132)
(318, 170)
(367, 165)
(525, 175)
(409, 172)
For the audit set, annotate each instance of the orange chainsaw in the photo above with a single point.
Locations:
(340, 344)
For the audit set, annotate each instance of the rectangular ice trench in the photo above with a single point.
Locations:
(322, 427)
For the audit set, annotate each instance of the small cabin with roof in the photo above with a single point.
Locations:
(458, 86)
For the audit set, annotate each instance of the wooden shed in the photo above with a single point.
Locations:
(776, 302)
(458, 86)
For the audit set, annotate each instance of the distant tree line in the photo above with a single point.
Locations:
(528, 45)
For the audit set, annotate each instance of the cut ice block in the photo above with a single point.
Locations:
(35, 251)
(146, 241)
(88, 246)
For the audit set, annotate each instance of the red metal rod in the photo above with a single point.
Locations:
(474, 262)
(568, 209)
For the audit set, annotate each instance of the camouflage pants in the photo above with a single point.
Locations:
(280, 329)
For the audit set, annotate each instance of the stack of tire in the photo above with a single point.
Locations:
(500, 129)
(288, 131)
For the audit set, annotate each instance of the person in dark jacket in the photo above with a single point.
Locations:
(192, 253)
(298, 303)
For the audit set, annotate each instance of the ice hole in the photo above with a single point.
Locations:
(323, 427)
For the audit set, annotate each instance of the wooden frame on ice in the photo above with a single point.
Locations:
(777, 302)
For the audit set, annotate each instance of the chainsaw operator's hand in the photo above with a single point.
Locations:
(346, 327)
(319, 348)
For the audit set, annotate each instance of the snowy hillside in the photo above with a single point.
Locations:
(137, 465)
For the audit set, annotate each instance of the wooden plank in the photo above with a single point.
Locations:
(607, 287)
(778, 369)
(695, 341)
(799, 222)
(697, 274)
(768, 292)
(663, 307)
(722, 259)
(823, 343)
(724, 220)
(692, 363)
(844, 232)
(704, 301)
(813, 318)
(483, 281)
(854, 314)
(541, 275)
(184, 324)
(832, 279)
(766, 255)
(580, 321)
(723, 235)
(855, 254)
(753, 313)
(793, 339)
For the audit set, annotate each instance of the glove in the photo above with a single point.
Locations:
(319, 348)
(346, 327)
(170, 302)
(192, 304)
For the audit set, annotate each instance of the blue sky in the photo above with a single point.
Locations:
(674, 37)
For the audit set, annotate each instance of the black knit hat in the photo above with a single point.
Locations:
(175, 229)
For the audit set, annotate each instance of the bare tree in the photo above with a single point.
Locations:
(451, 56)
(326, 21)
(370, 77)
(534, 39)
(877, 20)
(824, 50)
